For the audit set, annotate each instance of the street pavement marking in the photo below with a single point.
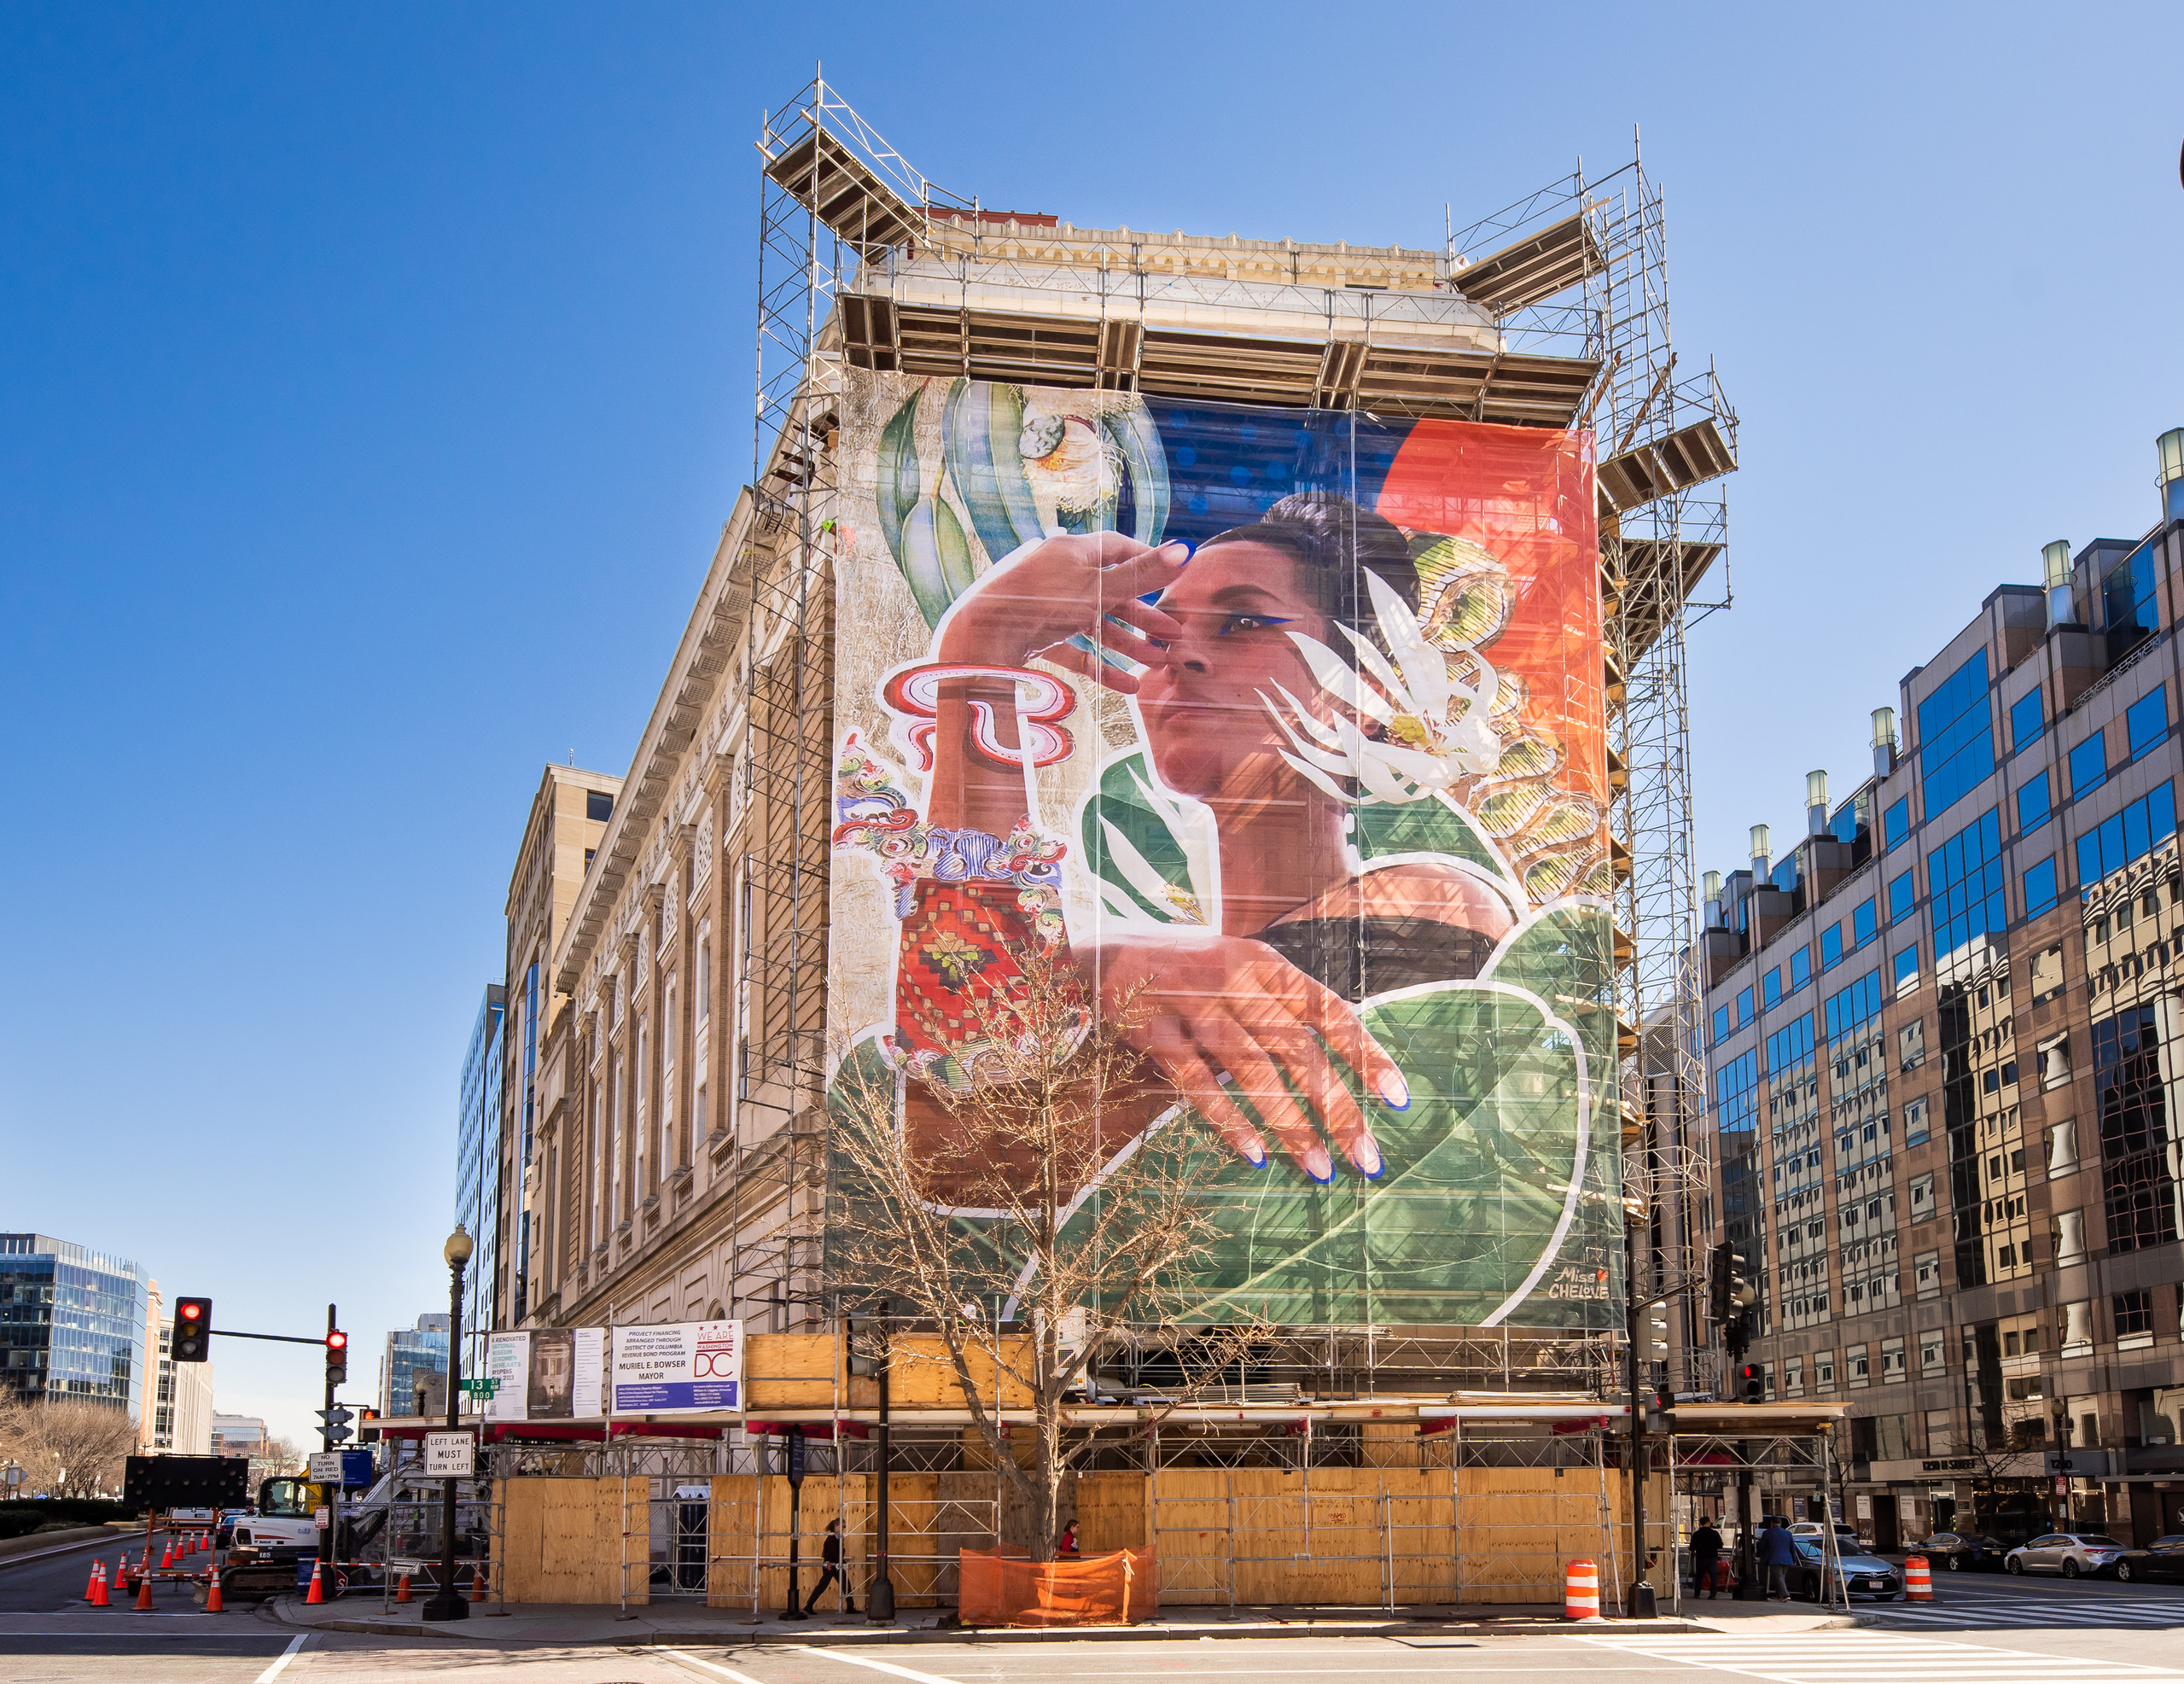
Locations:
(1869, 1657)
(877, 1666)
(286, 1655)
(724, 1671)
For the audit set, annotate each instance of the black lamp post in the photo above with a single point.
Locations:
(446, 1602)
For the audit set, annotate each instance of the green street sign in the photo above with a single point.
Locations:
(480, 1388)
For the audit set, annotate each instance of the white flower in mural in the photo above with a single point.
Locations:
(1434, 728)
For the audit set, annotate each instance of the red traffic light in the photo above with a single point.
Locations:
(337, 1341)
(193, 1328)
(191, 1310)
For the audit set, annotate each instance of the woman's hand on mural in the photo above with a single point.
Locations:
(1067, 588)
(1229, 1020)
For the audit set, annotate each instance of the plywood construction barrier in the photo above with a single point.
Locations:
(563, 1540)
(1116, 1588)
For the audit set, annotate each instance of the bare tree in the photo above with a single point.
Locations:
(1092, 1216)
(274, 1456)
(67, 1447)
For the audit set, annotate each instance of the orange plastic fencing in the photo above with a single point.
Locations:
(1121, 1588)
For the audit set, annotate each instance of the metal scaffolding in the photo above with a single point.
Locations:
(1574, 281)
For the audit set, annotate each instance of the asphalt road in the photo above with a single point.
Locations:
(1982, 1630)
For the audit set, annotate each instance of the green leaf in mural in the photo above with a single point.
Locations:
(932, 527)
(898, 478)
(980, 427)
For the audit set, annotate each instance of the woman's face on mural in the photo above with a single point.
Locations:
(1238, 603)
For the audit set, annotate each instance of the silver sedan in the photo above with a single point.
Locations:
(2073, 1554)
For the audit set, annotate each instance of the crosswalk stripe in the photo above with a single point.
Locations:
(1867, 1656)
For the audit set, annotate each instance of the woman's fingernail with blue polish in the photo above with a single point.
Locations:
(1366, 1158)
(1394, 1091)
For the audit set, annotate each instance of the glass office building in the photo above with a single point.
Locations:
(411, 1351)
(72, 1322)
(477, 1174)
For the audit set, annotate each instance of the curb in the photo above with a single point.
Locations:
(84, 1538)
(715, 1637)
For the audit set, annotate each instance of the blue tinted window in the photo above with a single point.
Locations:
(2040, 887)
(1863, 925)
(1956, 737)
(2146, 823)
(1896, 823)
(1721, 1024)
(1902, 896)
(1790, 1045)
(2088, 765)
(1743, 1007)
(1853, 1005)
(1771, 987)
(2026, 721)
(1801, 969)
(1907, 965)
(1964, 883)
(2127, 604)
(2033, 805)
(1831, 947)
(2146, 721)
(1736, 1084)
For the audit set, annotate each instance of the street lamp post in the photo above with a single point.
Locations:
(446, 1602)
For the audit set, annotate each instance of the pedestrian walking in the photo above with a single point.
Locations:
(1777, 1554)
(1706, 1557)
(831, 1573)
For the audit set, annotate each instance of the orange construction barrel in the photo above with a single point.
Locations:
(1918, 1582)
(1580, 1591)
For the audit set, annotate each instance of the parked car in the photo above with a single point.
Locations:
(1962, 1551)
(2163, 1559)
(2072, 1555)
(1861, 1575)
(1846, 1537)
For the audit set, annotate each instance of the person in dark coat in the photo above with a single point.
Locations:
(1777, 1554)
(1706, 1558)
(831, 1573)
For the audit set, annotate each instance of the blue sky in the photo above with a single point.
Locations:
(374, 382)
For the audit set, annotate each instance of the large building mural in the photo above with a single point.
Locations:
(1287, 725)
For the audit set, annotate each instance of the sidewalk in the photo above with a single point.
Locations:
(673, 1622)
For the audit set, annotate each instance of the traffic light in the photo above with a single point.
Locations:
(1726, 1265)
(337, 1420)
(367, 1425)
(1752, 1381)
(192, 1330)
(1653, 1336)
(337, 1356)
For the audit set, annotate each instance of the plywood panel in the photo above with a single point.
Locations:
(922, 1376)
(791, 1371)
(729, 1570)
(1111, 1511)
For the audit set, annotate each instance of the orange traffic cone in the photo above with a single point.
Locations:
(92, 1586)
(166, 1561)
(317, 1593)
(99, 1599)
(121, 1574)
(212, 1605)
(402, 1590)
(144, 1594)
(478, 1582)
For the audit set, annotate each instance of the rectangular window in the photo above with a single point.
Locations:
(1770, 988)
(1914, 1121)
(1864, 926)
(1926, 1273)
(1903, 897)
(2040, 887)
(1896, 823)
(1892, 1360)
(1956, 738)
(1854, 1360)
(1721, 1024)
(2026, 722)
(2033, 804)
(1911, 1044)
(2134, 1172)
(2146, 721)
(1963, 886)
(1736, 1105)
(598, 805)
(1824, 1370)
(1801, 965)
(2126, 835)
(1852, 1007)
(1831, 947)
(1743, 1007)
(1790, 1045)
(2088, 765)
(1922, 1196)
(2134, 1312)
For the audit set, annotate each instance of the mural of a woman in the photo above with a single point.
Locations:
(1319, 797)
